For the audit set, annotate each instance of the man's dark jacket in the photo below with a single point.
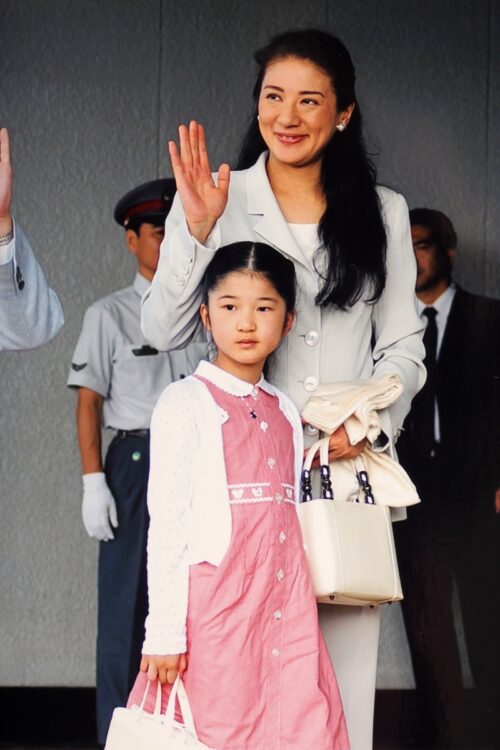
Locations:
(468, 396)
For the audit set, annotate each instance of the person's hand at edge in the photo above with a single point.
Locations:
(6, 224)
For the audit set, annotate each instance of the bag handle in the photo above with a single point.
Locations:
(364, 481)
(157, 708)
(325, 474)
(178, 691)
(324, 471)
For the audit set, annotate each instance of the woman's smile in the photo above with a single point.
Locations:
(290, 139)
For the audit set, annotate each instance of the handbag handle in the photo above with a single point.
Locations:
(324, 471)
(178, 691)
(325, 474)
(364, 483)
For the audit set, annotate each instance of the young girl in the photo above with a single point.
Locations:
(231, 606)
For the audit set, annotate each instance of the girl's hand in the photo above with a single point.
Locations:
(340, 447)
(164, 668)
(203, 201)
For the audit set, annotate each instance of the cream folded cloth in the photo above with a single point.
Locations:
(353, 403)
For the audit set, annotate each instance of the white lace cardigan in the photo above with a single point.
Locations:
(188, 497)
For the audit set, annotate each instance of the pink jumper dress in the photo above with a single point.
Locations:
(259, 676)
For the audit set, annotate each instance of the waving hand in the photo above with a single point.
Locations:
(203, 201)
(5, 182)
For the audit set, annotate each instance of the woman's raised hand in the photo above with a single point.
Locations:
(203, 201)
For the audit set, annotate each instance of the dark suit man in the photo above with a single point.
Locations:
(450, 446)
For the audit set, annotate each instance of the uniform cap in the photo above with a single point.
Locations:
(152, 199)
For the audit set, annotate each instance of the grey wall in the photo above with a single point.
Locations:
(91, 90)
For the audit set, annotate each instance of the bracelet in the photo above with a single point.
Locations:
(6, 239)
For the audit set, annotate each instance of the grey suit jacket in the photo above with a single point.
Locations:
(341, 345)
(30, 312)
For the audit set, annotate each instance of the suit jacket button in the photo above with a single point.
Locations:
(311, 383)
(311, 338)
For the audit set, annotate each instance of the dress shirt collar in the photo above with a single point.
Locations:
(442, 304)
(141, 284)
(230, 383)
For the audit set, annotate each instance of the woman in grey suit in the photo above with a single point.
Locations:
(306, 187)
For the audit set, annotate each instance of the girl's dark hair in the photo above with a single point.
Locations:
(351, 228)
(258, 258)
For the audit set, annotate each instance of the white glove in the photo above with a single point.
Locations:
(98, 507)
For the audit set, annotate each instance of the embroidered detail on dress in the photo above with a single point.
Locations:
(249, 500)
(250, 484)
(252, 492)
(263, 426)
(271, 462)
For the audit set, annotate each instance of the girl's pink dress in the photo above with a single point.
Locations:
(259, 676)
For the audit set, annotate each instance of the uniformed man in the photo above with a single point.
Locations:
(30, 312)
(119, 378)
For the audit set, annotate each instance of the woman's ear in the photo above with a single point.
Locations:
(205, 318)
(345, 115)
(289, 321)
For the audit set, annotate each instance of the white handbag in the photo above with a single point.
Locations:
(135, 729)
(349, 544)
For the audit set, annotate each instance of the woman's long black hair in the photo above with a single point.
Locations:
(351, 228)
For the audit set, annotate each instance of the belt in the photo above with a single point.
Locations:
(132, 433)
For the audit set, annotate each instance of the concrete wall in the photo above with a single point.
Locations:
(91, 90)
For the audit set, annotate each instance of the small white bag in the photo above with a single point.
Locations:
(135, 729)
(349, 545)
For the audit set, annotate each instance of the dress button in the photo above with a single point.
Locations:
(278, 497)
(282, 537)
(275, 652)
(190, 260)
(311, 383)
(310, 429)
(271, 462)
(280, 575)
(277, 614)
(181, 282)
(311, 338)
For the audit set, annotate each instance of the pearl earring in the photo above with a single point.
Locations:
(341, 127)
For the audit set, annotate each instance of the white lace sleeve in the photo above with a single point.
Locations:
(173, 439)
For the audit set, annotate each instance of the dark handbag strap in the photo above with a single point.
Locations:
(327, 492)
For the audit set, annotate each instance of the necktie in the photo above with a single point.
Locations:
(424, 411)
